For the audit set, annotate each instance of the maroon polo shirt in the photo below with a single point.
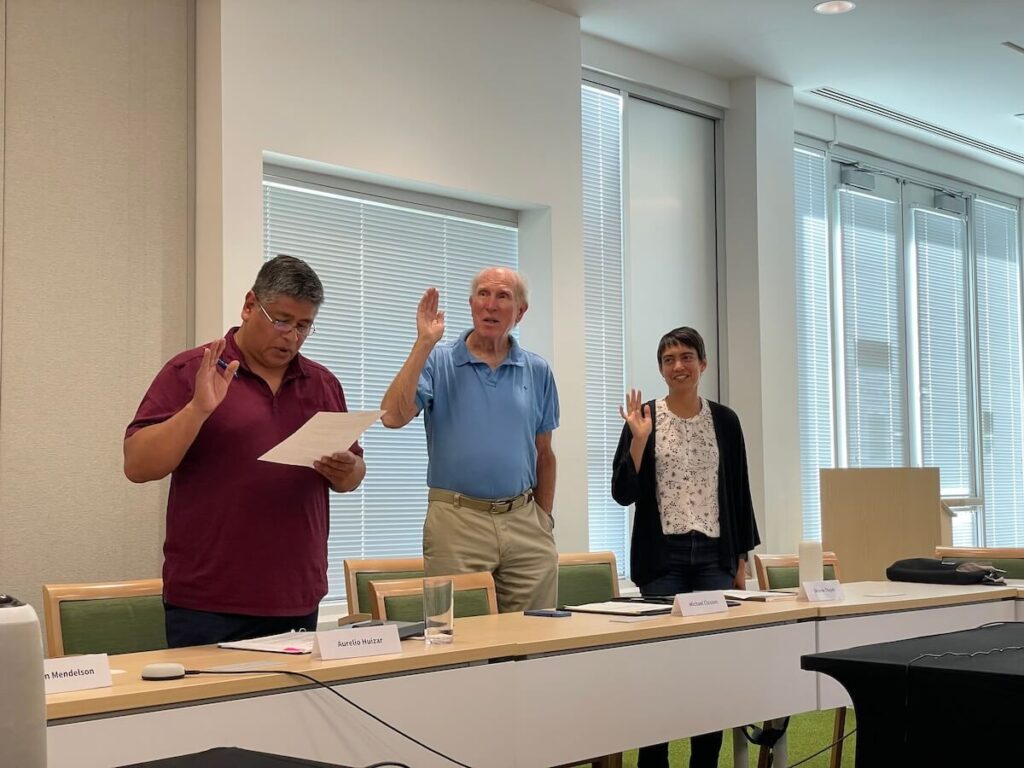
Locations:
(245, 536)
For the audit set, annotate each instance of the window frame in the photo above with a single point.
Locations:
(834, 155)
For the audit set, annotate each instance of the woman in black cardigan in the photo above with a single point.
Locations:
(682, 461)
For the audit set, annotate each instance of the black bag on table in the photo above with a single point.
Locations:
(930, 570)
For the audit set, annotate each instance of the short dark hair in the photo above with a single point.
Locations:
(291, 277)
(684, 336)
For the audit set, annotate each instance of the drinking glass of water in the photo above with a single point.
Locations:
(438, 609)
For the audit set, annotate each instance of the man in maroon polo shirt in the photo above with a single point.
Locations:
(245, 553)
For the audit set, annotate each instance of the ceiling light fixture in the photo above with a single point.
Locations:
(833, 7)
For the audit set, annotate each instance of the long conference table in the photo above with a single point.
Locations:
(512, 691)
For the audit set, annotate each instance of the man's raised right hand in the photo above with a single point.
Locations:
(211, 381)
(429, 322)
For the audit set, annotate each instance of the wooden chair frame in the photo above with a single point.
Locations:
(763, 562)
(593, 558)
(55, 594)
(380, 590)
(380, 565)
(981, 553)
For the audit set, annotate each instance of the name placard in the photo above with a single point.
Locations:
(76, 673)
(356, 642)
(697, 603)
(821, 591)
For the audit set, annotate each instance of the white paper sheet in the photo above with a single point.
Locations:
(325, 433)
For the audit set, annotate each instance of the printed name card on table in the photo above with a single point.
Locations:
(821, 591)
(697, 603)
(76, 673)
(357, 641)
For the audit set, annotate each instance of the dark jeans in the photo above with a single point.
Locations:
(693, 567)
(186, 627)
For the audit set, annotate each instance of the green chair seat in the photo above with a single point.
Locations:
(786, 577)
(1014, 567)
(363, 579)
(468, 602)
(113, 625)
(581, 583)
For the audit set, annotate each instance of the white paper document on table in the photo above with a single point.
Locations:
(325, 433)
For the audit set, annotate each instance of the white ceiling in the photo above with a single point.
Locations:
(941, 61)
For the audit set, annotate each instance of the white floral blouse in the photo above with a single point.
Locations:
(686, 465)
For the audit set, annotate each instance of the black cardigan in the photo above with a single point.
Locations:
(738, 529)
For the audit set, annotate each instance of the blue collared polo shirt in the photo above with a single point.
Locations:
(482, 424)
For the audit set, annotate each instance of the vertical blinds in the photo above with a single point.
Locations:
(872, 293)
(375, 261)
(997, 270)
(603, 312)
(814, 342)
(944, 369)
(927, 345)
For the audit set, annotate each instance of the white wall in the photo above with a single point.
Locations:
(95, 255)
(671, 268)
(479, 100)
(760, 307)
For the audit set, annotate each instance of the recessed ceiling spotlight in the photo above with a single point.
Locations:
(833, 7)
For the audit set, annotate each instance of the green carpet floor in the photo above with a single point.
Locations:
(807, 734)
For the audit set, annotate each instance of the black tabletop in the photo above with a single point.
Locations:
(232, 757)
(934, 700)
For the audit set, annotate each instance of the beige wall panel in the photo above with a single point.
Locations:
(96, 249)
(872, 517)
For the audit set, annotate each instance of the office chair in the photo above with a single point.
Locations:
(360, 572)
(105, 617)
(402, 599)
(587, 577)
(1009, 559)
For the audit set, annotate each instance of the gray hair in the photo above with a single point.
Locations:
(519, 280)
(291, 277)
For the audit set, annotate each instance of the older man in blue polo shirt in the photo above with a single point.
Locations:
(489, 409)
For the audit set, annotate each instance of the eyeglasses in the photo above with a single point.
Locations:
(283, 326)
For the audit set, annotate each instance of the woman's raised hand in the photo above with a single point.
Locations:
(637, 415)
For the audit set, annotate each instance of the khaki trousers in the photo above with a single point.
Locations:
(516, 547)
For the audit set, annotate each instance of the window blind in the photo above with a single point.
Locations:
(944, 369)
(375, 261)
(603, 313)
(997, 275)
(814, 344)
(872, 316)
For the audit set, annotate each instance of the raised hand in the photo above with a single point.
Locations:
(212, 381)
(637, 415)
(429, 322)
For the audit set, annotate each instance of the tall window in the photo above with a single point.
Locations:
(375, 260)
(872, 338)
(997, 268)
(909, 340)
(814, 342)
(603, 308)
